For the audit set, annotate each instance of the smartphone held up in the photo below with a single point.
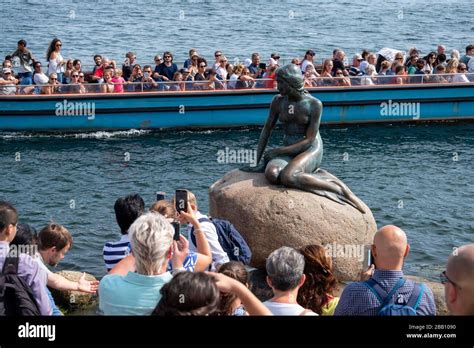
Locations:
(181, 200)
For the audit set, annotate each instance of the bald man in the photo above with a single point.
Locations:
(458, 280)
(389, 250)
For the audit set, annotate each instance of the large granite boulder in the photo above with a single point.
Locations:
(74, 301)
(270, 216)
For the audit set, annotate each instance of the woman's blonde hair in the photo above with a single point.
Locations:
(151, 236)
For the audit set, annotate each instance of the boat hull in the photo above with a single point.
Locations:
(226, 109)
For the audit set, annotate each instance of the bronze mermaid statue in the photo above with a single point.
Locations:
(297, 163)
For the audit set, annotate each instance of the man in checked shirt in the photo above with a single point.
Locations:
(389, 250)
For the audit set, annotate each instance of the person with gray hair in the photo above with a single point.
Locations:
(137, 293)
(458, 280)
(285, 276)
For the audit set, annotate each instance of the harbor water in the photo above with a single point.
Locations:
(418, 177)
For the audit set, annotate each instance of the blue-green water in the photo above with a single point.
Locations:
(417, 177)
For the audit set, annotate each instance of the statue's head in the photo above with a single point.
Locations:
(290, 80)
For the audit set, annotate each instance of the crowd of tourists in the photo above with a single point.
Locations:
(67, 76)
(152, 270)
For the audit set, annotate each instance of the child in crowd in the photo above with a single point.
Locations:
(118, 81)
(229, 303)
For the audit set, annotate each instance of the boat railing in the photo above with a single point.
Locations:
(220, 85)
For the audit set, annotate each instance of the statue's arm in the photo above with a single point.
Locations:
(265, 136)
(311, 132)
(268, 128)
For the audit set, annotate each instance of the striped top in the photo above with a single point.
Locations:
(115, 251)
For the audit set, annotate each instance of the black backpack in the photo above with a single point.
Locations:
(16, 296)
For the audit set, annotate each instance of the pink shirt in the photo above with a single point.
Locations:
(118, 84)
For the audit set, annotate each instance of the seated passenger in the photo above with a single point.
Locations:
(8, 83)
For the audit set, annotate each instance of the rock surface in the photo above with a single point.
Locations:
(74, 300)
(270, 216)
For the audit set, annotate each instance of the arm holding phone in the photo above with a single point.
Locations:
(202, 245)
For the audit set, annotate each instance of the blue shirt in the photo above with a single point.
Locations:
(167, 71)
(132, 294)
(358, 299)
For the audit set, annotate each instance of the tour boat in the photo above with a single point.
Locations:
(231, 108)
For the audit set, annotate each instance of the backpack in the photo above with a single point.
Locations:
(388, 307)
(16, 296)
(230, 240)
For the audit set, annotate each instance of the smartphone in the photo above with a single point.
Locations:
(181, 200)
(160, 196)
(262, 66)
(146, 75)
(177, 229)
(370, 261)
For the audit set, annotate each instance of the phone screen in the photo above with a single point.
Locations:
(181, 200)
(369, 258)
(177, 232)
(160, 196)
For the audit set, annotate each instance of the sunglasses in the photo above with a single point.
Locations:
(53, 79)
(202, 66)
(217, 55)
(58, 45)
(444, 279)
(7, 73)
(75, 75)
(167, 56)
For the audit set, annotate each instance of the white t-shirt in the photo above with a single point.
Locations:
(41, 79)
(54, 66)
(460, 78)
(233, 80)
(286, 308)
(304, 65)
(219, 256)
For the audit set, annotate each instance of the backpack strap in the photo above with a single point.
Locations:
(377, 290)
(383, 297)
(11, 265)
(416, 296)
(193, 237)
(392, 292)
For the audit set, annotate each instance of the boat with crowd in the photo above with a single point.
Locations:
(206, 109)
